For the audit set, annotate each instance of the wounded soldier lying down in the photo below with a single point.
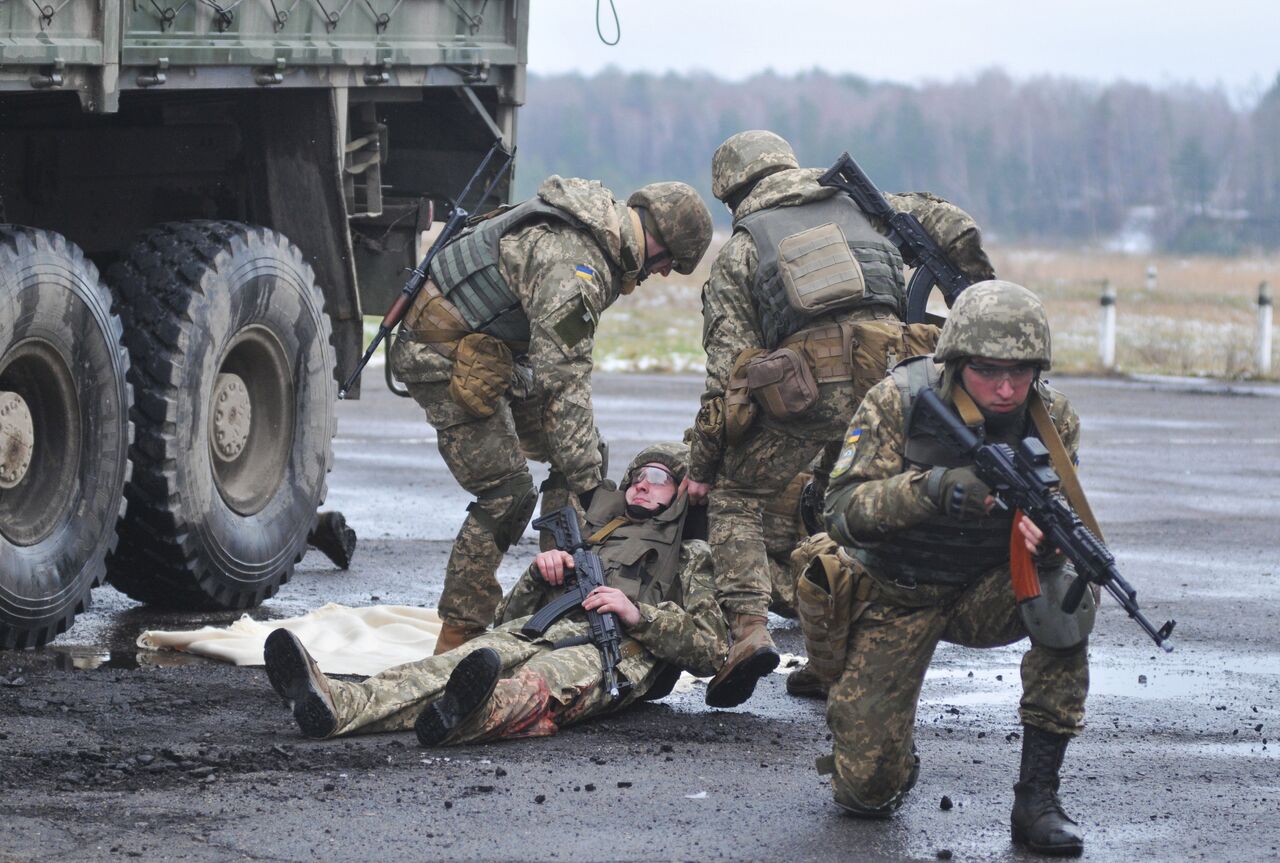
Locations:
(507, 684)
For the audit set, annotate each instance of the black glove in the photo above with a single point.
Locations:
(811, 502)
(962, 495)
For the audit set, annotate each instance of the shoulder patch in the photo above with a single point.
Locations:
(845, 461)
(574, 322)
(585, 273)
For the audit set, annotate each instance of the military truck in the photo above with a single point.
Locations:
(199, 199)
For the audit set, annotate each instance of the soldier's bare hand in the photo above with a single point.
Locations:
(1031, 535)
(552, 565)
(604, 599)
(697, 491)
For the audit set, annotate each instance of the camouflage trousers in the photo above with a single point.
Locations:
(483, 455)
(783, 531)
(753, 473)
(871, 709)
(542, 689)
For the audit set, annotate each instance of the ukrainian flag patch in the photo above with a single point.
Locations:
(845, 461)
(585, 273)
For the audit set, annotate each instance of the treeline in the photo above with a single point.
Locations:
(1048, 160)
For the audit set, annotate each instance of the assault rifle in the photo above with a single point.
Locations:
(587, 575)
(457, 219)
(918, 249)
(1025, 479)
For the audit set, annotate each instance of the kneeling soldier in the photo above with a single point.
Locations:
(926, 557)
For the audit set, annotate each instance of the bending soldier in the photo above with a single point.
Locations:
(505, 684)
(801, 315)
(926, 557)
(497, 350)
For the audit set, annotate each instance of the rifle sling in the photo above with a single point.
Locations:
(603, 533)
(1062, 464)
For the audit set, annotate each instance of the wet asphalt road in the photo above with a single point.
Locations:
(106, 753)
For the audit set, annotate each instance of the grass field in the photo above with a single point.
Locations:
(1200, 320)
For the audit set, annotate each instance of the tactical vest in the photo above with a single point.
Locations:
(467, 271)
(881, 265)
(641, 559)
(941, 549)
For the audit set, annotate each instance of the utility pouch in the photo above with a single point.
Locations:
(482, 371)
(739, 410)
(435, 320)
(819, 272)
(783, 383)
(826, 603)
(877, 346)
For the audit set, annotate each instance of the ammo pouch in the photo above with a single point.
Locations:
(482, 371)
(782, 382)
(877, 346)
(434, 320)
(739, 410)
(826, 603)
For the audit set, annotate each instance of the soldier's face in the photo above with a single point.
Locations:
(998, 386)
(657, 258)
(652, 487)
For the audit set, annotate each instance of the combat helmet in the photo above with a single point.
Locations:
(673, 455)
(677, 216)
(746, 157)
(999, 320)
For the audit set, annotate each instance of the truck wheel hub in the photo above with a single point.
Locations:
(17, 439)
(232, 417)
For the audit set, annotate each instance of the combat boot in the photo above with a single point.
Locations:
(751, 657)
(467, 690)
(804, 683)
(1038, 821)
(451, 636)
(297, 679)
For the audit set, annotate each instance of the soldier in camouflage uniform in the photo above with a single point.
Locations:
(930, 561)
(504, 684)
(497, 350)
(792, 239)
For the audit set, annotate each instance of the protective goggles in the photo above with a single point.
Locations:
(1018, 375)
(653, 475)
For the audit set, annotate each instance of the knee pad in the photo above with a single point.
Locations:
(507, 526)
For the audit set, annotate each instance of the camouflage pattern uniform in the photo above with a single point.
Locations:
(565, 278)
(544, 688)
(880, 507)
(746, 476)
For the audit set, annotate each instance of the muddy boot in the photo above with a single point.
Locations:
(751, 657)
(467, 690)
(332, 536)
(1038, 821)
(451, 636)
(296, 678)
(803, 683)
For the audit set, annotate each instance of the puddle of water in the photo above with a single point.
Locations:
(90, 659)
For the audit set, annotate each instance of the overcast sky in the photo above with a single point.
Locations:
(1234, 44)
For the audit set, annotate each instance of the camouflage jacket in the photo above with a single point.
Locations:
(729, 321)
(565, 278)
(690, 634)
(871, 484)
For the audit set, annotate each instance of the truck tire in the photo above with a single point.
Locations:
(64, 433)
(233, 371)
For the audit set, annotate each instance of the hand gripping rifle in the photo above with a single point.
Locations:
(1025, 479)
(606, 631)
(457, 219)
(918, 249)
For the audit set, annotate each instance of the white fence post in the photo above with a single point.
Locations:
(1265, 312)
(1151, 277)
(1107, 336)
